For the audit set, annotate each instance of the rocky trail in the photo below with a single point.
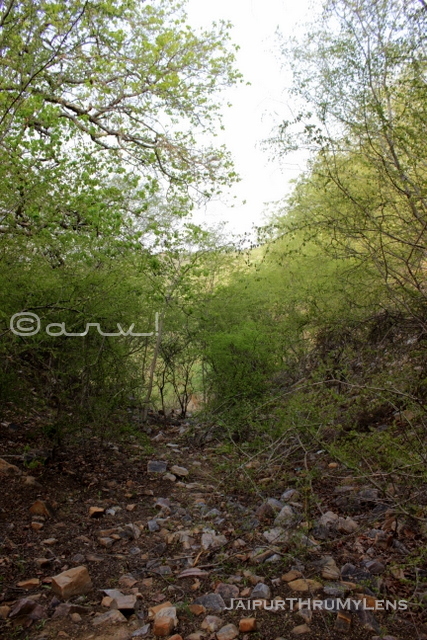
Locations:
(191, 542)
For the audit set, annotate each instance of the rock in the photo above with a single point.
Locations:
(306, 614)
(153, 611)
(181, 472)
(28, 607)
(153, 526)
(106, 542)
(285, 517)
(212, 540)
(197, 609)
(133, 531)
(328, 519)
(73, 582)
(164, 621)
(261, 554)
(40, 508)
(23, 607)
(289, 494)
(65, 608)
(213, 513)
(211, 602)
(30, 481)
(368, 621)
(291, 575)
(109, 617)
(31, 583)
(346, 525)
(96, 512)
(343, 621)
(157, 466)
(375, 567)
(368, 495)
(229, 632)
(75, 617)
(304, 585)
(227, 591)
(127, 581)
(260, 591)
(8, 469)
(246, 625)
(265, 512)
(330, 570)
(275, 535)
(4, 612)
(300, 629)
(37, 526)
(169, 476)
(124, 603)
(275, 504)
(211, 623)
(141, 632)
(274, 558)
(338, 590)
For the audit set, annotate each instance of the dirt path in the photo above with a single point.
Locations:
(195, 536)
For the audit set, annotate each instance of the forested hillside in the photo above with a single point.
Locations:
(290, 376)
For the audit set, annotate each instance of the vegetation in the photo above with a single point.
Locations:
(321, 329)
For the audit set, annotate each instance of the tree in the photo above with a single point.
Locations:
(91, 90)
(361, 75)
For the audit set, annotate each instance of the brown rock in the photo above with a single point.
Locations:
(176, 637)
(40, 508)
(343, 621)
(106, 601)
(229, 632)
(30, 481)
(32, 583)
(127, 581)
(4, 612)
(197, 609)
(72, 582)
(36, 526)
(303, 585)
(165, 621)
(106, 542)
(96, 512)
(75, 617)
(8, 469)
(153, 611)
(247, 624)
(300, 629)
(291, 575)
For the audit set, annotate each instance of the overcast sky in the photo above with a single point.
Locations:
(255, 108)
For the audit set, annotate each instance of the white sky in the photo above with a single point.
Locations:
(256, 108)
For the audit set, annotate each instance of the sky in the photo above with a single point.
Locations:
(256, 108)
